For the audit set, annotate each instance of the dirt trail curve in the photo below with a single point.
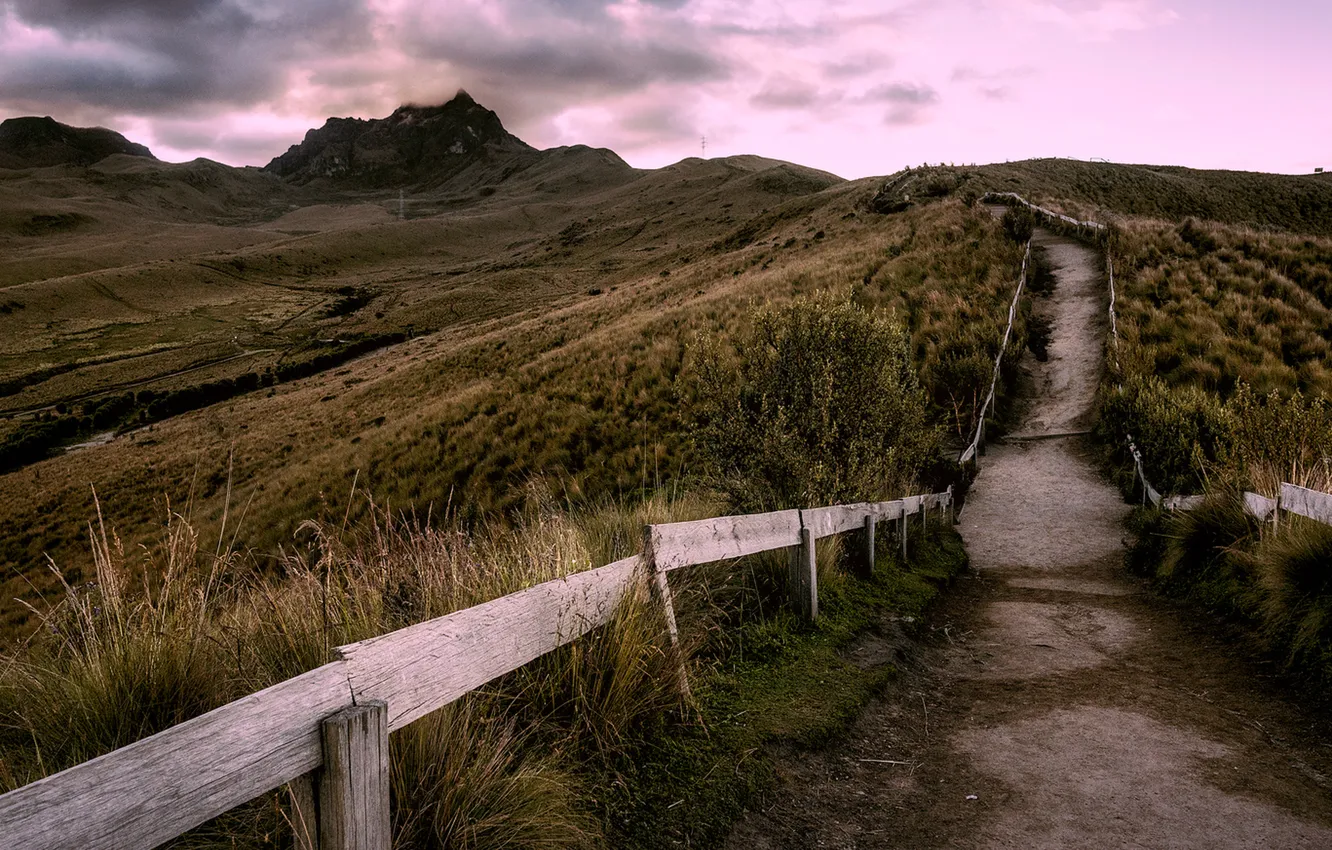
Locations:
(1058, 705)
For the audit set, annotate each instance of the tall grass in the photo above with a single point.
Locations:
(125, 655)
(1276, 579)
(151, 644)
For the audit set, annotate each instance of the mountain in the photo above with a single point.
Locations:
(33, 142)
(415, 144)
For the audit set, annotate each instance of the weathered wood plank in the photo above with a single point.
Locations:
(424, 667)
(1259, 506)
(153, 790)
(835, 519)
(886, 511)
(683, 544)
(662, 590)
(354, 784)
(1182, 503)
(1307, 503)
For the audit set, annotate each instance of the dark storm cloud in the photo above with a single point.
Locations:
(663, 121)
(158, 56)
(81, 16)
(526, 42)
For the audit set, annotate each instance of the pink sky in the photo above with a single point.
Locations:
(854, 87)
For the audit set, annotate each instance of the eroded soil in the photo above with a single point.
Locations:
(1055, 704)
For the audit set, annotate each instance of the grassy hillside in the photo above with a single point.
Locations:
(1103, 191)
(547, 341)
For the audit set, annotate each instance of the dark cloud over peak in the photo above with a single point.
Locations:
(525, 42)
(157, 56)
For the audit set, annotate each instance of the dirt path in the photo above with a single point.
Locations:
(1058, 705)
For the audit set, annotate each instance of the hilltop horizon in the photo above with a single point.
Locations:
(463, 98)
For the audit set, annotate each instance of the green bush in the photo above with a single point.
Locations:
(1019, 223)
(1281, 438)
(818, 403)
(1182, 432)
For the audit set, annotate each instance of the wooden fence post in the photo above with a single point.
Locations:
(903, 534)
(661, 589)
(807, 578)
(980, 449)
(869, 546)
(302, 812)
(354, 784)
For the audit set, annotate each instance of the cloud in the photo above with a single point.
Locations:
(909, 94)
(992, 85)
(909, 103)
(857, 66)
(159, 56)
(1093, 20)
(783, 92)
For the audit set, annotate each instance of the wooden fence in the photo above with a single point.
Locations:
(1292, 498)
(324, 734)
(978, 442)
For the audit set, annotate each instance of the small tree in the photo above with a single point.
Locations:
(817, 404)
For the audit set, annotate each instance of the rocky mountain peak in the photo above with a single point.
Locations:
(415, 143)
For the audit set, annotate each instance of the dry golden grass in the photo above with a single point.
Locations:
(525, 372)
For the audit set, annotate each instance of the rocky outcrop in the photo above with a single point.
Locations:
(415, 144)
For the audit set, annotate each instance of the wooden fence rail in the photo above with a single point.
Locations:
(325, 732)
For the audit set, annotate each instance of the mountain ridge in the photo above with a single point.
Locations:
(41, 142)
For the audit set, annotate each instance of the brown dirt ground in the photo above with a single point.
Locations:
(1054, 703)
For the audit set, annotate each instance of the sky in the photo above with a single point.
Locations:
(854, 87)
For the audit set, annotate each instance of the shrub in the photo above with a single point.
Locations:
(817, 404)
(1282, 438)
(1294, 572)
(1019, 223)
(1199, 560)
(1182, 432)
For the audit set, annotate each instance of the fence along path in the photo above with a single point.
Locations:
(328, 729)
(977, 445)
(1311, 504)
(969, 453)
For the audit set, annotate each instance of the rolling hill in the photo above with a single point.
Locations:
(282, 333)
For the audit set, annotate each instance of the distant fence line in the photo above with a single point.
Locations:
(978, 442)
(977, 445)
(324, 734)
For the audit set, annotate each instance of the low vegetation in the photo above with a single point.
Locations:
(819, 404)
(1223, 381)
(591, 745)
(581, 390)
